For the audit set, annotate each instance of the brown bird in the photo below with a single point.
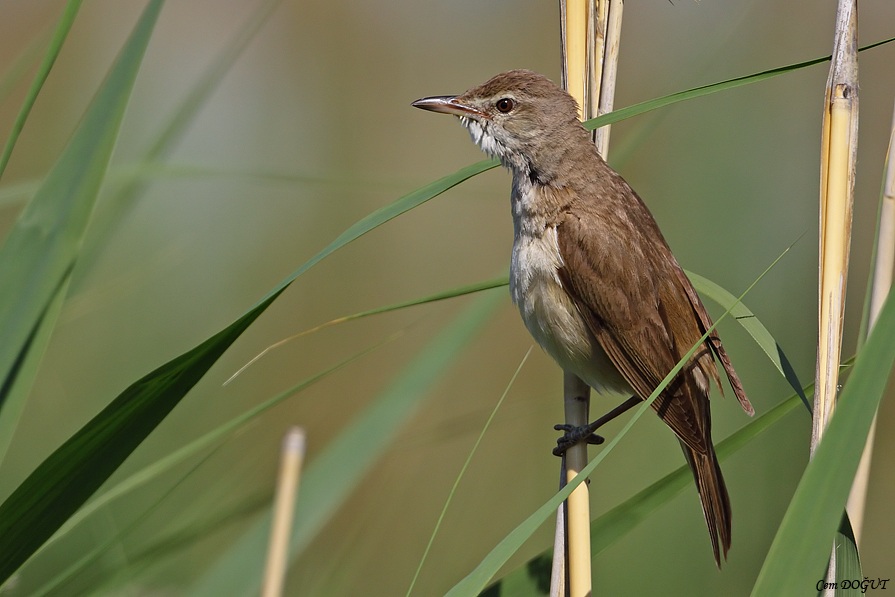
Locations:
(592, 275)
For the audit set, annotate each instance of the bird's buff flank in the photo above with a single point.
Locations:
(592, 275)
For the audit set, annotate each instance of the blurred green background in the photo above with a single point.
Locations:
(309, 131)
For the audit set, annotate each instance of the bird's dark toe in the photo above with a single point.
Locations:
(575, 435)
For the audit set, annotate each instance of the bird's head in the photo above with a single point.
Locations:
(520, 117)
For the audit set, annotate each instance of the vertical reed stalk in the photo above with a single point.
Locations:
(291, 458)
(838, 157)
(838, 153)
(590, 34)
(880, 284)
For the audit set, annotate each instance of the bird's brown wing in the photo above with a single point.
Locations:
(641, 317)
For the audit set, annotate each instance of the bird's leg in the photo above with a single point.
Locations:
(585, 433)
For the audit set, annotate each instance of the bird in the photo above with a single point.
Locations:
(592, 276)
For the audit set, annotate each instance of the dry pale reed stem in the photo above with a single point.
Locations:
(837, 183)
(838, 153)
(558, 570)
(573, 22)
(576, 396)
(610, 69)
(590, 34)
(291, 459)
(597, 13)
(572, 563)
(884, 263)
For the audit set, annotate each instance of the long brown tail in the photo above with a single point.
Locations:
(713, 495)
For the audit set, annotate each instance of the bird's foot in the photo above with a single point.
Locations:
(576, 435)
(585, 433)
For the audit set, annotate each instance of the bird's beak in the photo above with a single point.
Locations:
(447, 104)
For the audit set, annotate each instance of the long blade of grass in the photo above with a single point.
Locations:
(618, 521)
(756, 329)
(725, 299)
(22, 63)
(386, 214)
(72, 473)
(34, 264)
(27, 368)
(335, 473)
(440, 296)
(193, 449)
(42, 246)
(476, 580)
(91, 556)
(800, 551)
(463, 469)
(623, 518)
(689, 94)
(59, 36)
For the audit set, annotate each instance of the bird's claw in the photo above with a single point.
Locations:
(575, 435)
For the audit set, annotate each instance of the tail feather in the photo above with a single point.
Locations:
(714, 497)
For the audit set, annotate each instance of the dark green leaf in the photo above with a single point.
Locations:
(798, 556)
(71, 474)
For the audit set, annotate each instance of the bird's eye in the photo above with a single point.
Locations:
(504, 105)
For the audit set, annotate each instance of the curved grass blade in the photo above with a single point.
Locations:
(59, 36)
(23, 63)
(725, 299)
(618, 521)
(385, 214)
(756, 329)
(440, 296)
(622, 519)
(93, 554)
(34, 262)
(214, 437)
(72, 473)
(26, 368)
(42, 246)
(654, 104)
(801, 549)
(476, 580)
(336, 472)
(462, 472)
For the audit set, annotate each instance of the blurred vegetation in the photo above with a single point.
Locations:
(308, 130)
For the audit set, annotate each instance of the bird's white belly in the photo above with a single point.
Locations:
(552, 317)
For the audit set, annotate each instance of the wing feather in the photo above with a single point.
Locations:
(643, 319)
